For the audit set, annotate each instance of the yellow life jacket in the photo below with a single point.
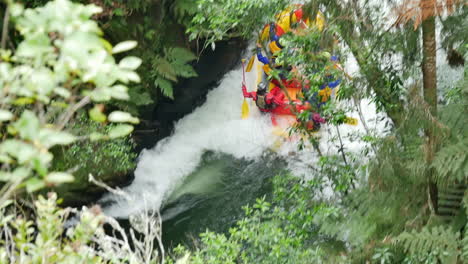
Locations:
(267, 69)
(283, 19)
(274, 47)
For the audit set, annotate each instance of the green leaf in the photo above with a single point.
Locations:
(130, 63)
(124, 46)
(132, 76)
(118, 12)
(5, 115)
(59, 104)
(18, 149)
(23, 101)
(139, 96)
(97, 136)
(186, 71)
(6, 203)
(184, 260)
(181, 55)
(50, 138)
(16, 9)
(40, 167)
(28, 125)
(164, 69)
(65, 93)
(59, 177)
(165, 86)
(5, 176)
(120, 131)
(34, 184)
(122, 117)
(101, 94)
(106, 45)
(120, 92)
(96, 115)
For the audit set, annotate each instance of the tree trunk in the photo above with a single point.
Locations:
(429, 72)
(429, 64)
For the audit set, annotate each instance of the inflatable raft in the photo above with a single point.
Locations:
(283, 113)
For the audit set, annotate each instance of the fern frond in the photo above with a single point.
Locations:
(454, 117)
(183, 8)
(140, 96)
(440, 239)
(179, 55)
(174, 64)
(185, 71)
(165, 86)
(451, 163)
(164, 68)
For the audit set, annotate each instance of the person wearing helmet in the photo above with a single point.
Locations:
(265, 101)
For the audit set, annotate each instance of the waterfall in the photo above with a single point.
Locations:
(216, 126)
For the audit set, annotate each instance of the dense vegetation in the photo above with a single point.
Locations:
(69, 98)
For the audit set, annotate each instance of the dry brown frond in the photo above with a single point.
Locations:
(420, 10)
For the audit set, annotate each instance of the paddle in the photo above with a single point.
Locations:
(250, 64)
(245, 105)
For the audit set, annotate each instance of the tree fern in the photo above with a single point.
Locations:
(440, 240)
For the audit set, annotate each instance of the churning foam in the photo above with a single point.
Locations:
(215, 126)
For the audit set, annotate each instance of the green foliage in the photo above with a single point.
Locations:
(218, 20)
(451, 161)
(61, 65)
(159, 28)
(439, 241)
(455, 31)
(383, 256)
(107, 160)
(40, 240)
(183, 10)
(49, 239)
(392, 195)
(280, 231)
(174, 64)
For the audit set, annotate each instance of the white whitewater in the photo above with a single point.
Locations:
(216, 126)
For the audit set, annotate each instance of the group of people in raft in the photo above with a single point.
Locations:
(269, 96)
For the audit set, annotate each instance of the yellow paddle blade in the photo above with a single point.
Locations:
(351, 121)
(250, 64)
(277, 131)
(276, 145)
(245, 109)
